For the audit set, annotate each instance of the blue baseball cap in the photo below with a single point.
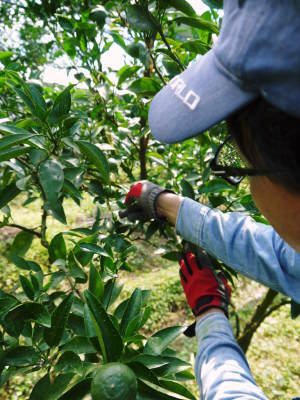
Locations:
(257, 54)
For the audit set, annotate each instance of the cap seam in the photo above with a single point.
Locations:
(242, 84)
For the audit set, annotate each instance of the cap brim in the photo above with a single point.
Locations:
(196, 100)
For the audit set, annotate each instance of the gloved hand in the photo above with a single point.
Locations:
(203, 287)
(141, 202)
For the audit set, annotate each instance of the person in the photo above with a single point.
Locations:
(250, 79)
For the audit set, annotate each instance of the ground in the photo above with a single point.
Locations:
(273, 354)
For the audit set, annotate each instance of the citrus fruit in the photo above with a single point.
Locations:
(114, 381)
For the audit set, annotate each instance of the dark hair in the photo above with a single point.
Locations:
(270, 140)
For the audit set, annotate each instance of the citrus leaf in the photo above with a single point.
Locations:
(213, 3)
(110, 337)
(46, 390)
(199, 23)
(61, 106)
(21, 243)
(80, 345)
(96, 285)
(95, 157)
(15, 318)
(27, 287)
(187, 189)
(139, 18)
(133, 308)
(145, 86)
(25, 264)
(12, 140)
(59, 321)
(126, 72)
(176, 388)
(51, 177)
(180, 5)
(13, 152)
(57, 248)
(21, 356)
(162, 339)
(8, 193)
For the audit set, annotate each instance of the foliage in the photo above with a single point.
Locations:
(57, 144)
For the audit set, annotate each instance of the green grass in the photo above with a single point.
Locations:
(274, 352)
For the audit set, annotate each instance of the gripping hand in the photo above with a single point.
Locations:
(203, 287)
(141, 202)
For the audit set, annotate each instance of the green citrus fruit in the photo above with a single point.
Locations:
(114, 381)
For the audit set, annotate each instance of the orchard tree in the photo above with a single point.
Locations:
(65, 318)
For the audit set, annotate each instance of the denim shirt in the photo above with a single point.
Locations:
(254, 250)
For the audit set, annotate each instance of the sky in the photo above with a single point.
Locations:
(112, 58)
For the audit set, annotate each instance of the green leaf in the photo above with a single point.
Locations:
(199, 23)
(13, 152)
(68, 362)
(15, 318)
(24, 264)
(195, 46)
(95, 157)
(112, 290)
(80, 345)
(144, 373)
(51, 177)
(133, 308)
(162, 339)
(25, 97)
(96, 285)
(5, 54)
(76, 269)
(14, 139)
(89, 327)
(8, 193)
(145, 86)
(59, 321)
(214, 3)
(57, 249)
(21, 243)
(176, 388)
(127, 72)
(61, 106)
(72, 191)
(140, 18)
(146, 392)
(41, 389)
(215, 186)
(94, 249)
(27, 287)
(46, 390)
(78, 391)
(187, 189)
(109, 339)
(118, 39)
(21, 356)
(180, 5)
(37, 99)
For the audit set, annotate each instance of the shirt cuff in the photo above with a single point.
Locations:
(214, 322)
(190, 220)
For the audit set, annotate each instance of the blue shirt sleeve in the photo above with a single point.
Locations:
(221, 368)
(251, 248)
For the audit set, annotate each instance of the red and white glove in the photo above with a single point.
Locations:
(203, 287)
(141, 201)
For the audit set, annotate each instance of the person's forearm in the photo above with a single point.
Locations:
(168, 206)
(221, 368)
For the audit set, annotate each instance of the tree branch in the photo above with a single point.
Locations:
(23, 228)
